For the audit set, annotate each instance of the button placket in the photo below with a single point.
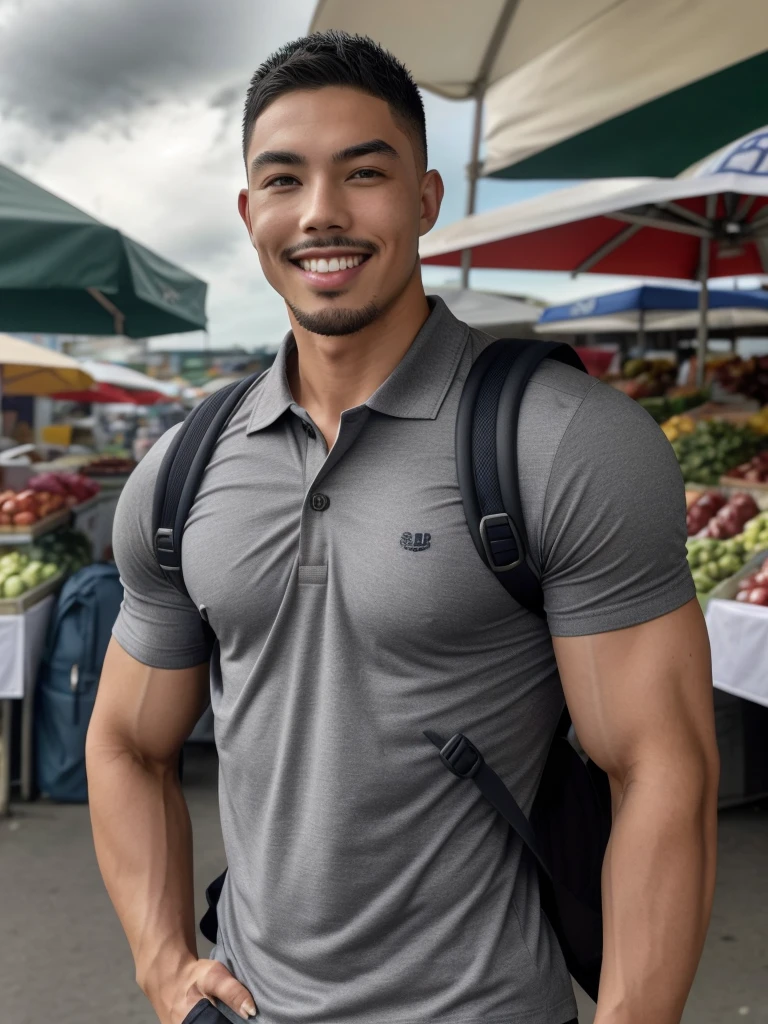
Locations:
(314, 539)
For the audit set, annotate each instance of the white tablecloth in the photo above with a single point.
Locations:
(21, 646)
(738, 635)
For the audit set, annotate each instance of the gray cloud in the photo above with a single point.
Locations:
(69, 64)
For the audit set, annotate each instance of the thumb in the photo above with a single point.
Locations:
(218, 983)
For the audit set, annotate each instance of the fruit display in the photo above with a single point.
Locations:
(755, 534)
(748, 377)
(73, 487)
(25, 508)
(713, 448)
(20, 573)
(109, 465)
(753, 472)
(720, 518)
(675, 403)
(753, 589)
(713, 561)
(676, 426)
(58, 553)
(759, 422)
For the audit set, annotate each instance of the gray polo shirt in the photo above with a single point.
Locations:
(366, 884)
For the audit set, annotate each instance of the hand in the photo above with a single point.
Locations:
(200, 979)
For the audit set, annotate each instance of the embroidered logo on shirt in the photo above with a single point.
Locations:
(415, 542)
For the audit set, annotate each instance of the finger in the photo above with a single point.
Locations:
(218, 983)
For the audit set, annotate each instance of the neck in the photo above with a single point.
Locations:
(330, 374)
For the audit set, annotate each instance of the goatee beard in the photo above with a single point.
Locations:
(335, 323)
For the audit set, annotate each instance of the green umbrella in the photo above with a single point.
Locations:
(62, 271)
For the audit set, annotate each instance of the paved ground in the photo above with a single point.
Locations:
(63, 957)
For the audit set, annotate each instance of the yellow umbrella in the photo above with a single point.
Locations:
(27, 369)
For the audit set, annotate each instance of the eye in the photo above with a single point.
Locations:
(281, 180)
(367, 173)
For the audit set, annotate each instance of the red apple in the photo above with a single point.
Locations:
(743, 595)
(761, 578)
(758, 595)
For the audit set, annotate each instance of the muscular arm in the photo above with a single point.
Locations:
(142, 830)
(641, 703)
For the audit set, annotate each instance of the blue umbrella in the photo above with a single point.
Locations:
(649, 308)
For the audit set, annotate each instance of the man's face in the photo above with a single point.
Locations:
(336, 201)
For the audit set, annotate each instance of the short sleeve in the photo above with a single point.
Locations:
(613, 535)
(156, 625)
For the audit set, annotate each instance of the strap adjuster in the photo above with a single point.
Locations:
(461, 756)
(164, 540)
(501, 542)
(165, 550)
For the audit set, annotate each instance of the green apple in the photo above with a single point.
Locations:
(729, 564)
(49, 569)
(32, 574)
(14, 586)
(702, 582)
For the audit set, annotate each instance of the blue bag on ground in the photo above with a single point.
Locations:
(80, 630)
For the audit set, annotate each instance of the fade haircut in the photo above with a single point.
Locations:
(338, 58)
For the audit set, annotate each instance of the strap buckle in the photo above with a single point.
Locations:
(461, 756)
(165, 549)
(500, 541)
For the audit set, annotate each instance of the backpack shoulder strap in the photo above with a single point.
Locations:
(486, 459)
(181, 472)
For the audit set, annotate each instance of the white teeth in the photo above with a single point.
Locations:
(329, 266)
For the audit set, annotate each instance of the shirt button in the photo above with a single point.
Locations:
(309, 430)
(320, 502)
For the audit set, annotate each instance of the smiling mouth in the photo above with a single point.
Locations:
(332, 265)
(328, 275)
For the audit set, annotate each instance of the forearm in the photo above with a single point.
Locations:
(658, 885)
(143, 839)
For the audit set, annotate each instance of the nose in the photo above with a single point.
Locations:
(323, 208)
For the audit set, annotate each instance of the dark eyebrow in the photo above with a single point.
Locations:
(377, 146)
(270, 156)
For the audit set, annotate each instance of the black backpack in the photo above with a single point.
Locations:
(571, 817)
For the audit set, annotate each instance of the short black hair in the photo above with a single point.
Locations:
(337, 58)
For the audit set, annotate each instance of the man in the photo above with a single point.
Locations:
(365, 885)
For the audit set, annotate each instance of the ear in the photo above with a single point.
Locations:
(432, 191)
(243, 209)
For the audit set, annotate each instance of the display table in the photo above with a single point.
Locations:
(738, 636)
(22, 638)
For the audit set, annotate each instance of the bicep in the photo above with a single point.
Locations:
(149, 711)
(642, 694)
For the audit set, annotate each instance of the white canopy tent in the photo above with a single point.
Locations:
(496, 314)
(549, 72)
(126, 378)
(626, 56)
(458, 49)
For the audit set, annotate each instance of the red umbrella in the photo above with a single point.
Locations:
(103, 393)
(713, 223)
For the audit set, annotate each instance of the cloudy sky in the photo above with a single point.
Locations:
(131, 110)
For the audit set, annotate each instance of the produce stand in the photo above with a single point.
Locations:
(29, 534)
(22, 638)
(18, 605)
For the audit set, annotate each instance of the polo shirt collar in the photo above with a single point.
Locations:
(415, 389)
